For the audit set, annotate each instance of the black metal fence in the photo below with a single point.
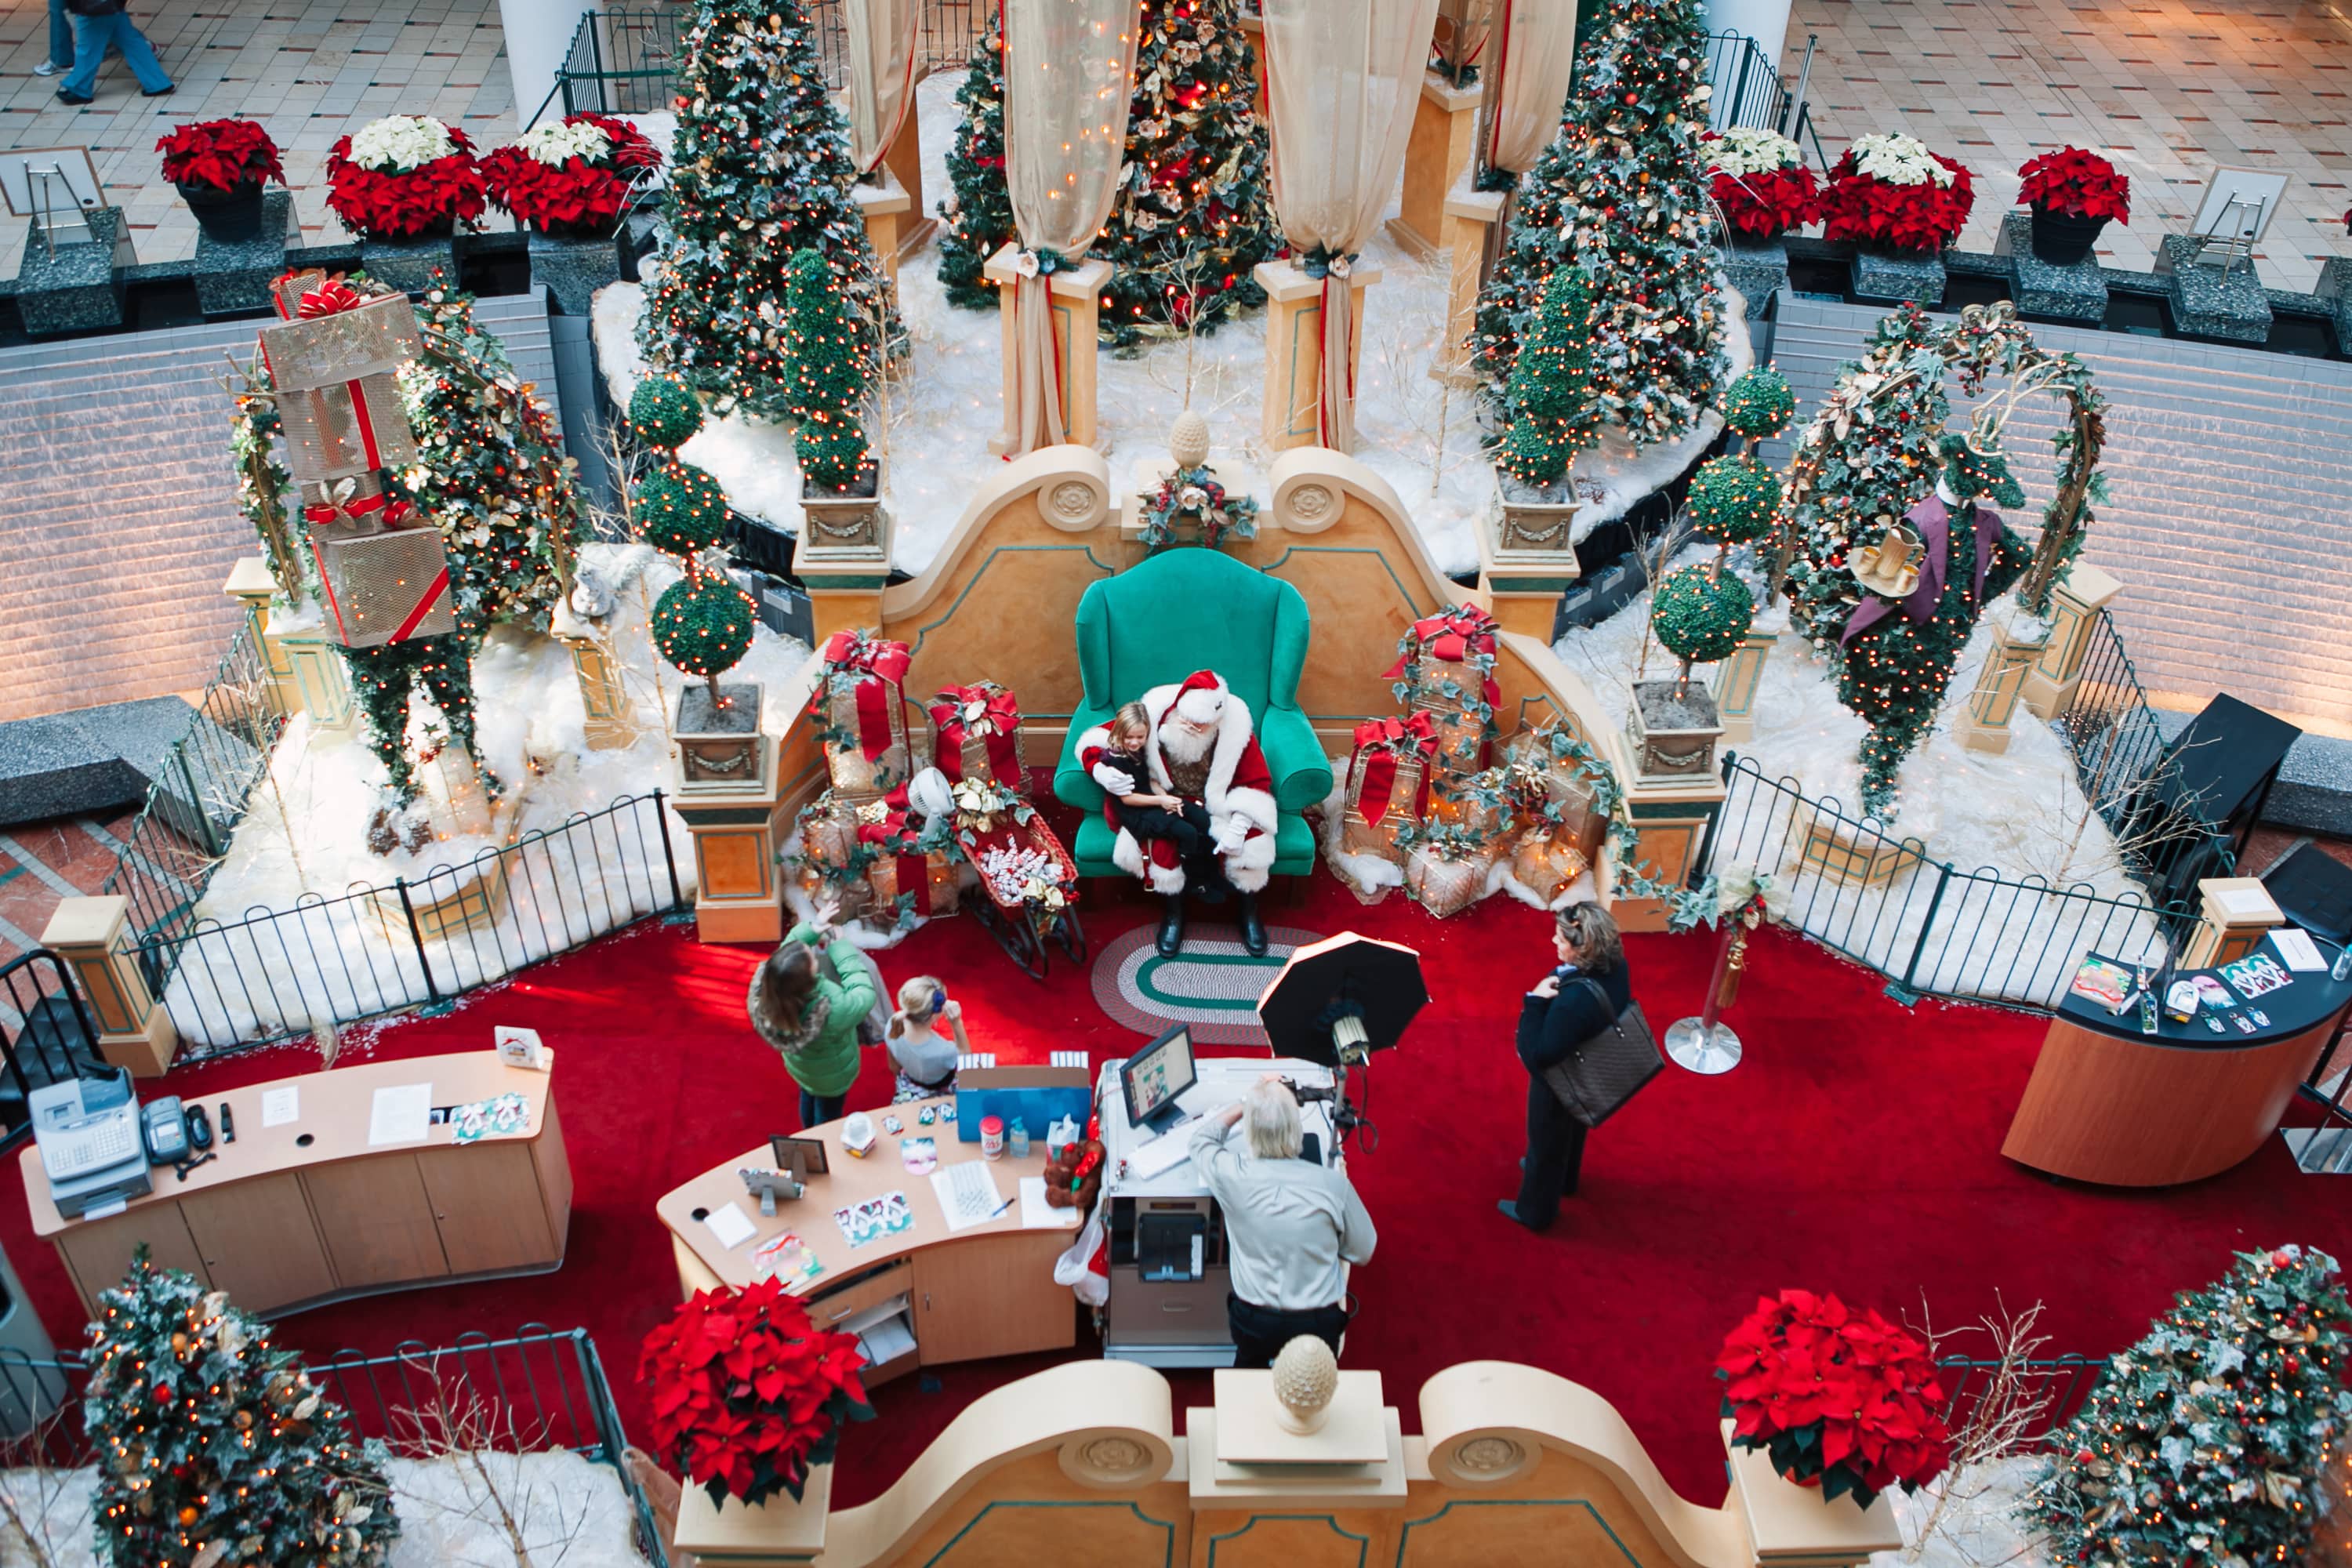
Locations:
(48, 1035)
(537, 1391)
(376, 949)
(2064, 1381)
(1749, 92)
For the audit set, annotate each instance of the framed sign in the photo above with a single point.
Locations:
(49, 179)
(2238, 205)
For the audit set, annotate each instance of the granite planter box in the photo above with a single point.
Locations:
(78, 287)
(232, 276)
(2334, 287)
(1893, 277)
(2076, 293)
(720, 749)
(409, 265)
(2212, 301)
(1672, 738)
(573, 266)
(1757, 268)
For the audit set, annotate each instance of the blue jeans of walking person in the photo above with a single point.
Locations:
(92, 36)
(61, 37)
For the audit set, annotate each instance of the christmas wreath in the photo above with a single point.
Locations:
(574, 176)
(220, 155)
(1760, 181)
(1891, 191)
(405, 176)
(1192, 498)
(2075, 184)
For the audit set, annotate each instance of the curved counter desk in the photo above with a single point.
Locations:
(2111, 1105)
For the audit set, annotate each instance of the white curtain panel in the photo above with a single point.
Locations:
(1069, 70)
(880, 80)
(1531, 52)
(1342, 80)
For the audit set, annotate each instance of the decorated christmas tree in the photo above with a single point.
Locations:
(1619, 193)
(1553, 412)
(215, 1448)
(828, 385)
(1194, 216)
(2204, 1442)
(760, 170)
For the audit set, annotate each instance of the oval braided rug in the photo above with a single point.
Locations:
(1212, 985)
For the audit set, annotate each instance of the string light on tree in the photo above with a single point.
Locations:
(827, 386)
(1554, 411)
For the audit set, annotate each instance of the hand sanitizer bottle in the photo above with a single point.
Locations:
(1018, 1138)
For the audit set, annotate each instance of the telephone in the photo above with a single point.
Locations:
(165, 1130)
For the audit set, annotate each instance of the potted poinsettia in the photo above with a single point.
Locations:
(1761, 180)
(406, 185)
(220, 167)
(1838, 1399)
(570, 178)
(749, 1396)
(1901, 204)
(2072, 194)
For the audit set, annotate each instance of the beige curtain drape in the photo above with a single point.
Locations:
(1069, 70)
(1531, 53)
(880, 80)
(1341, 81)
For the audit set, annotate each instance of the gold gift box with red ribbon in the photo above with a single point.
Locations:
(382, 582)
(862, 705)
(1388, 784)
(331, 359)
(1454, 647)
(980, 734)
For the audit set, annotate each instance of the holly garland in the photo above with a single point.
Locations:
(1192, 498)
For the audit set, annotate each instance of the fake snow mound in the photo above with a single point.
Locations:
(304, 842)
(1976, 1531)
(566, 1508)
(2019, 817)
(948, 400)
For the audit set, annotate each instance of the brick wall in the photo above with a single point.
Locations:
(118, 510)
(2230, 518)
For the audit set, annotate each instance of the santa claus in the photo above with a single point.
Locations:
(1201, 748)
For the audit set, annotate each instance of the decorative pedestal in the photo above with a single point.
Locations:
(889, 211)
(1736, 682)
(2336, 286)
(250, 586)
(904, 159)
(78, 287)
(1887, 277)
(2235, 913)
(1253, 27)
(1671, 822)
(2209, 301)
(1523, 578)
(1845, 857)
(1790, 1526)
(1294, 347)
(1246, 1458)
(89, 934)
(738, 892)
(1445, 134)
(573, 269)
(409, 265)
(1469, 214)
(843, 558)
(778, 1534)
(2074, 607)
(232, 276)
(610, 721)
(323, 684)
(1983, 723)
(2076, 293)
(1076, 295)
(1757, 268)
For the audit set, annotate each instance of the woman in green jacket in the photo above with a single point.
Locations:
(807, 1000)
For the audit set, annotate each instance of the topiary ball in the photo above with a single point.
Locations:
(664, 412)
(681, 510)
(1700, 616)
(1759, 403)
(702, 624)
(1733, 500)
(833, 452)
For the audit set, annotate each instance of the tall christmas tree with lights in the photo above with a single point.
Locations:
(760, 168)
(2204, 1442)
(1194, 216)
(215, 1448)
(1619, 192)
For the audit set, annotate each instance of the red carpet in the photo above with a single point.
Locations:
(1855, 1149)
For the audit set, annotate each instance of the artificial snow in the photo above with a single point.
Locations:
(947, 400)
(1369, 876)
(1976, 1530)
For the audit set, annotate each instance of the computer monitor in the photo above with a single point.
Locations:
(1155, 1076)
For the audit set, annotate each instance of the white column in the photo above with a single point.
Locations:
(1766, 21)
(538, 34)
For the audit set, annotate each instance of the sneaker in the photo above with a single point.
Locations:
(165, 91)
(48, 68)
(76, 98)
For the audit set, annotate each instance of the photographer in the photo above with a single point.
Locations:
(1290, 1225)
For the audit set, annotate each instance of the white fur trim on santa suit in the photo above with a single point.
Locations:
(1239, 797)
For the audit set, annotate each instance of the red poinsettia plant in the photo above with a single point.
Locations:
(220, 154)
(2077, 183)
(405, 176)
(1841, 1400)
(1762, 182)
(572, 177)
(1891, 191)
(747, 1394)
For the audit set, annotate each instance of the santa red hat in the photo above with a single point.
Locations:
(1202, 697)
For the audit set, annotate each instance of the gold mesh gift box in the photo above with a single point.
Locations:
(332, 365)
(390, 587)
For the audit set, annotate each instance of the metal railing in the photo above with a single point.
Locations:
(48, 1034)
(534, 1391)
(1749, 92)
(2065, 1381)
(377, 949)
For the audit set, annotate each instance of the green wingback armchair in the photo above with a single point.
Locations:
(1181, 611)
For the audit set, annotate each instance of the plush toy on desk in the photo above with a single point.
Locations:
(1074, 1170)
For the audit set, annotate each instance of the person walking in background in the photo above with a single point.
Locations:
(807, 1000)
(61, 42)
(100, 24)
(1579, 999)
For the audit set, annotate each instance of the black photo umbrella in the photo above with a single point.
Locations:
(1382, 977)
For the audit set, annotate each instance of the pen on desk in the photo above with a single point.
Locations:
(1000, 1208)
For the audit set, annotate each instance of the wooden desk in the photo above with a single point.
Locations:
(987, 1291)
(282, 1225)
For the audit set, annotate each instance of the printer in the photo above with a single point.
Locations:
(88, 1132)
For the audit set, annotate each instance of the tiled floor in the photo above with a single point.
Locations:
(42, 862)
(310, 70)
(2168, 89)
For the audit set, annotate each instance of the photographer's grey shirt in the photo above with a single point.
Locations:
(1289, 1224)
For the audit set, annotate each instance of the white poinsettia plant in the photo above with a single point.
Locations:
(559, 142)
(1741, 151)
(1898, 160)
(401, 143)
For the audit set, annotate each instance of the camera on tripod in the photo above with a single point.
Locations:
(1310, 1095)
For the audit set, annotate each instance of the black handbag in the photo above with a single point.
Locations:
(1610, 1068)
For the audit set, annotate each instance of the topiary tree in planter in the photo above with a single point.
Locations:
(1732, 500)
(1698, 615)
(1760, 405)
(1550, 399)
(828, 380)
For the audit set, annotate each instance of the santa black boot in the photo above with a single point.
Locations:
(1172, 926)
(1252, 929)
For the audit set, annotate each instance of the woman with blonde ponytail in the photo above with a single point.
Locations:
(926, 1059)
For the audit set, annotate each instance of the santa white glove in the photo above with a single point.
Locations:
(1115, 781)
(1228, 833)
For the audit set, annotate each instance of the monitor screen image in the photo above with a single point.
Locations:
(1155, 1076)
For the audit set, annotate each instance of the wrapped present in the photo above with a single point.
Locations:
(1547, 862)
(383, 584)
(1445, 668)
(900, 864)
(980, 734)
(1445, 881)
(332, 361)
(861, 713)
(1388, 782)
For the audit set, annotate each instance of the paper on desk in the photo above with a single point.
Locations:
(399, 1114)
(280, 1106)
(2297, 947)
(966, 1194)
(1036, 1214)
(730, 1225)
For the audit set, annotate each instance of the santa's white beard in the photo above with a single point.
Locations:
(1183, 745)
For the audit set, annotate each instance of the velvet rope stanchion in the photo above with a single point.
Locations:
(1741, 900)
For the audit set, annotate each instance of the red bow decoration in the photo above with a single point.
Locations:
(1454, 635)
(1379, 743)
(396, 512)
(914, 868)
(886, 661)
(332, 297)
(1002, 714)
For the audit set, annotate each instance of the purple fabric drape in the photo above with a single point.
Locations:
(1932, 520)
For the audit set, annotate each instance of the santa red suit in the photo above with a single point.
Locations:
(1218, 764)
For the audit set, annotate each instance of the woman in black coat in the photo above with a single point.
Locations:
(1560, 1014)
